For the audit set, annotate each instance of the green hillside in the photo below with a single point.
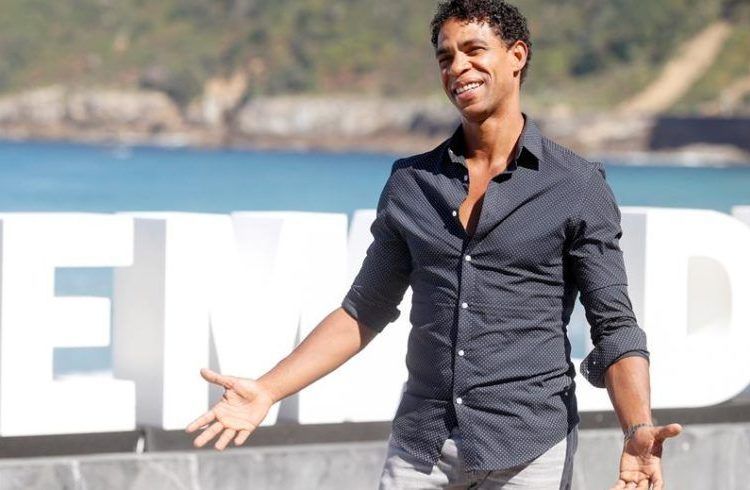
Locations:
(588, 54)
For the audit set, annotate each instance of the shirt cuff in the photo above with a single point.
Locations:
(375, 317)
(621, 343)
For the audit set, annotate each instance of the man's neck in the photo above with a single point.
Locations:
(491, 143)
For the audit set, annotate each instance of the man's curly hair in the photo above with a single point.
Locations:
(505, 19)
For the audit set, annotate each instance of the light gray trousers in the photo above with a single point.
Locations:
(553, 470)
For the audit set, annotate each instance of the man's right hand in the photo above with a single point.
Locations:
(242, 408)
(246, 402)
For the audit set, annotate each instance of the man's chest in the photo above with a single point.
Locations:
(517, 221)
(470, 209)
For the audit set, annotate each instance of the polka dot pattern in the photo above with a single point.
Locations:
(488, 349)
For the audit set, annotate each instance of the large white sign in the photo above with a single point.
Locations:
(237, 292)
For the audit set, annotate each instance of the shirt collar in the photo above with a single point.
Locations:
(528, 150)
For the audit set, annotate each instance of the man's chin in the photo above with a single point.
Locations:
(473, 112)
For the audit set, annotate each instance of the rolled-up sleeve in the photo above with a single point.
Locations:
(381, 282)
(599, 270)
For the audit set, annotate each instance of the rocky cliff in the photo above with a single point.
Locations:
(225, 117)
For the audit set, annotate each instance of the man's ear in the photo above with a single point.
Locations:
(520, 53)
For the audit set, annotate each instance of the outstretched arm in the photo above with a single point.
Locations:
(333, 342)
(369, 305)
(246, 402)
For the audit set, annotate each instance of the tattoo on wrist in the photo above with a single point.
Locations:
(629, 432)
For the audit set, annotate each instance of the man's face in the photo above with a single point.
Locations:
(478, 71)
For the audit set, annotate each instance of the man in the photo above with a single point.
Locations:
(496, 230)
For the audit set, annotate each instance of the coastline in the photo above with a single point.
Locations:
(397, 144)
(350, 123)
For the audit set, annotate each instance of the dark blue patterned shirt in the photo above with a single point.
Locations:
(488, 349)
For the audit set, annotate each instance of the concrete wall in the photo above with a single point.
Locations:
(711, 456)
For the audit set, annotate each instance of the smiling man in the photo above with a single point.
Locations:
(497, 231)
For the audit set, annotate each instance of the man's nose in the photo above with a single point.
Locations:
(460, 64)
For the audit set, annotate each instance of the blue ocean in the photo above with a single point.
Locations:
(71, 177)
(74, 177)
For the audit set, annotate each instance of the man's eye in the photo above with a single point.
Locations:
(476, 50)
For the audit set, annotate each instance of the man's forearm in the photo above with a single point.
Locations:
(333, 342)
(628, 385)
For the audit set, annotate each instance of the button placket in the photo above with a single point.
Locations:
(461, 378)
(464, 317)
(466, 262)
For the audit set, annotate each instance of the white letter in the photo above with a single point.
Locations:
(33, 322)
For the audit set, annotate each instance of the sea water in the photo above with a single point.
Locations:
(71, 177)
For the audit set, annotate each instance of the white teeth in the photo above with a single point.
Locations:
(467, 87)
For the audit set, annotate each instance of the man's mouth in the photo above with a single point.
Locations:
(467, 87)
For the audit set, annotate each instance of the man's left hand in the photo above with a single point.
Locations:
(640, 464)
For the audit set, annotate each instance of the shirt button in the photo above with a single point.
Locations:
(459, 400)
(468, 258)
(466, 177)
(464, 305)
(461, 353)
(454, 213)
